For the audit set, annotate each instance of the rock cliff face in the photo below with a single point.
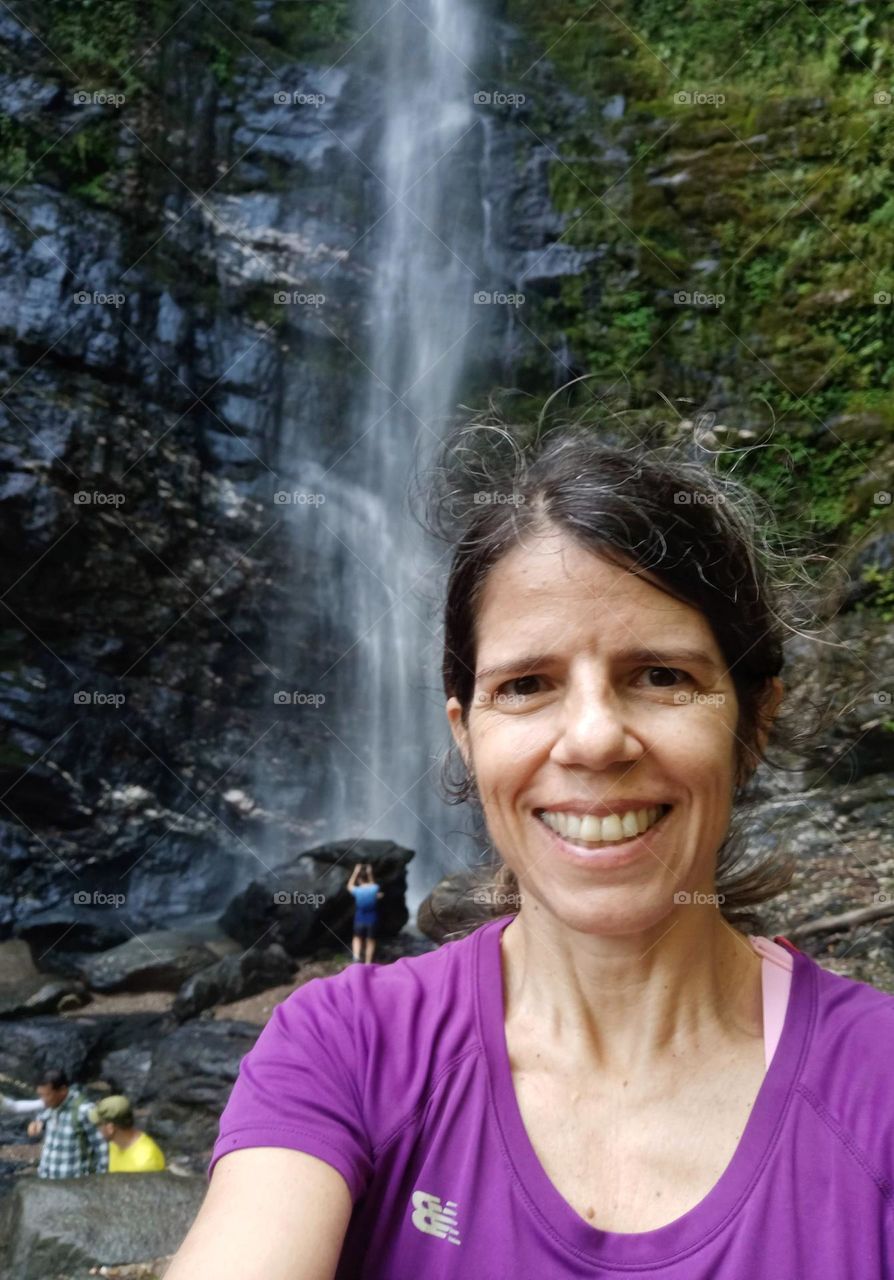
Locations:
(160, 394)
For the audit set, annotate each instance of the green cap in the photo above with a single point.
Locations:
(111, 1110)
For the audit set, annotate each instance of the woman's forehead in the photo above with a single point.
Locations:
(564, 596)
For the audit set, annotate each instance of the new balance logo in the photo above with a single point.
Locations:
(435, 1218)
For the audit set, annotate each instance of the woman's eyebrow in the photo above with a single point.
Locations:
(655, 656)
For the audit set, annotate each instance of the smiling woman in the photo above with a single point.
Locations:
(627, 577)
(609, 1076)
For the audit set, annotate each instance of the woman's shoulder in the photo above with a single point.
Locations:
(847, 1074)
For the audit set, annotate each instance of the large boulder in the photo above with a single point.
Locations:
(67, 1226)
(37, 1044)
(232, 978)
(81, 928)
(185, 1077)
(304, 905)
(24, 990)
(159, 961)
(459, 902)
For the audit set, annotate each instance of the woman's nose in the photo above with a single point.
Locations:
(594, 729)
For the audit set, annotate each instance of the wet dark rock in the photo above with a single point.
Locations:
(159, 961)
(232, 978)
(32, 1045)
(184, 1078)
(66, 1226)
(305, 903)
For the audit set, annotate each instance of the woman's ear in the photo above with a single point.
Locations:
(459, 730)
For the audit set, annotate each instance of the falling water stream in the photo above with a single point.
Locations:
(425, 229)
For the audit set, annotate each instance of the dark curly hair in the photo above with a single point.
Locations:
(702, 536)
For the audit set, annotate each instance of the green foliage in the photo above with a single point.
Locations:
(881, 598)
(755, 150)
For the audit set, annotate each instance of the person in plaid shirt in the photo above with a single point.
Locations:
(72, 1146)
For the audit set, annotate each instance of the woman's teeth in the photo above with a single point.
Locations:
(589, 830)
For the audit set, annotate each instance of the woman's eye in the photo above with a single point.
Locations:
(506, 689)
(668, 671)
(524, 686)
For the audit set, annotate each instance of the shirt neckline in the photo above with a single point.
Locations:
(700, 1224)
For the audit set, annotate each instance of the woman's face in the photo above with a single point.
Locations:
(629, 706)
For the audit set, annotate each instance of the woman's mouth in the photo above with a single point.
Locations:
(616, 836)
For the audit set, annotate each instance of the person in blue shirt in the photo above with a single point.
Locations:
(366, 895)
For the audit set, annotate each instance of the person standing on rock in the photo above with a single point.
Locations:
(366, 894)
(130, 1149)
(72, 1145)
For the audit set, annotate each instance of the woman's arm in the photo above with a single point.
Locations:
(269, 1214)
(354, 875)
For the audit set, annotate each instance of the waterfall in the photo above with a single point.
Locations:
(382, 727)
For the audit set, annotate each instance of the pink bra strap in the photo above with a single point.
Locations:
(776, 978)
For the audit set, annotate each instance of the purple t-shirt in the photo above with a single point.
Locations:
(398, 1076)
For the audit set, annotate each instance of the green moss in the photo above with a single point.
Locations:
(755, 153)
